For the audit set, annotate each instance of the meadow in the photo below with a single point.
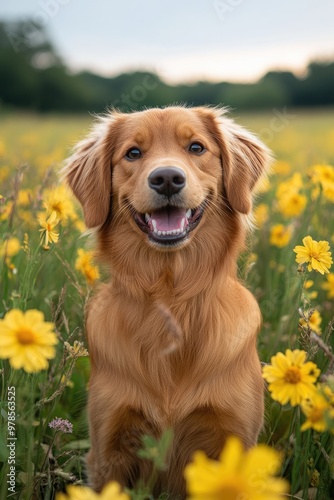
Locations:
(47, 272)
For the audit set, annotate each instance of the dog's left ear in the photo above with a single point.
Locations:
(88, 171)
(244, 159)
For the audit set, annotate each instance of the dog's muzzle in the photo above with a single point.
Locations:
(168, 224)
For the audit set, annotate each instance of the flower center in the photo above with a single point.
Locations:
(315, 256)
(25, 336)
(56, 207)
(316, 414)
(292, 375)
(233, 493)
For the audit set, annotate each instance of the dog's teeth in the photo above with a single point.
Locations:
(188, 213)
(176, 232)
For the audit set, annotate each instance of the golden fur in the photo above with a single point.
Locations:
(172, 337)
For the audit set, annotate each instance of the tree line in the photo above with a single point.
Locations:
(33, 77)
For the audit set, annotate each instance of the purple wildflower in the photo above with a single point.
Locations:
(59, 424)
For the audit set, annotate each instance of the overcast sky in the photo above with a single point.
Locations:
(185, 40)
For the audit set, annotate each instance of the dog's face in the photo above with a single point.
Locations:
(162, 170)
(166, 170)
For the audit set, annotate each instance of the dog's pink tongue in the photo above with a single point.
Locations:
(169, 219)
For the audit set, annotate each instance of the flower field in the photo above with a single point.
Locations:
(47, 272)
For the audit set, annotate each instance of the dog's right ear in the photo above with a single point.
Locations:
(88, 171)
(244, 158)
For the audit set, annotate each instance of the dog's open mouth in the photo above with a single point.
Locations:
(169, 225)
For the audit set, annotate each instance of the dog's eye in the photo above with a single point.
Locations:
(133, 154)
(196, 148)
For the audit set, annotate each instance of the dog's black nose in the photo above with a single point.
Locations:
(167, 180)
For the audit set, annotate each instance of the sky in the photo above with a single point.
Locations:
(184, 41)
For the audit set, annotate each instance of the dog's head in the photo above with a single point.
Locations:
(162, 170)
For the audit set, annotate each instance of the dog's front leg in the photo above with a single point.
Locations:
(115, 442)
(205, 428)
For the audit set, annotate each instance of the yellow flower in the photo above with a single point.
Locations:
(290, 378)
(237, 474)
(324, 175)
(47, 230)
(292, 204)
(59, 200)
(329, 286)
(308, 284)
(318, 408)
(328, 390)
(84, 264)
(315, 254)
(312, 294)
(261, 215)
(10, 247)
(328, 190)
(313, 322)
(294, 184)
(27, 340)
(6, 211)
(111, 491)
(24, 197)
(280, 235)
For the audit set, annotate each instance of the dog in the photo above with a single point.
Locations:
(172, 337)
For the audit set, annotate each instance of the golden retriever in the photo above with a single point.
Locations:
(172, 337)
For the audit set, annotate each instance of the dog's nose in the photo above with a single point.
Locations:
(167, 180)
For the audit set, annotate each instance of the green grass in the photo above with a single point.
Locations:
(31, 149)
